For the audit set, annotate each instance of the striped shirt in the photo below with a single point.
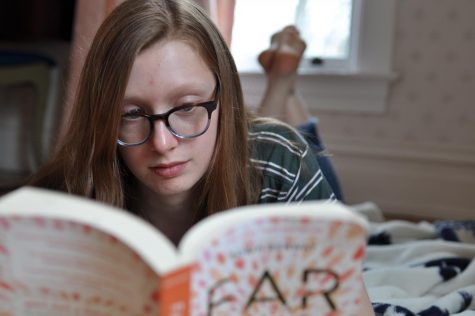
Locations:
(290, 171)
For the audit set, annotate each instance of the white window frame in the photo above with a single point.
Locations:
(361, 88)
(338, 66)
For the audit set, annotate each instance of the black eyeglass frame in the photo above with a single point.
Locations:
(210, 106)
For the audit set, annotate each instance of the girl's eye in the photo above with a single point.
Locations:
(133, 113)
(187, 109)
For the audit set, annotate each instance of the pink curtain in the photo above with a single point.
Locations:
(222, 13)
(89, 15)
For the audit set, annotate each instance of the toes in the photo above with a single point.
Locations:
(291, 29)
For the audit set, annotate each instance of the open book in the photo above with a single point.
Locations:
(65, 255)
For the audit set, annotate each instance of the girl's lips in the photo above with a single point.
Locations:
(170, 170)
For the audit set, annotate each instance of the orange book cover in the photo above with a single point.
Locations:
(174, 296)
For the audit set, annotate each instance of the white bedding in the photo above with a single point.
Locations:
(421, 269)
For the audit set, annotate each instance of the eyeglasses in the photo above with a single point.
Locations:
(186, 121)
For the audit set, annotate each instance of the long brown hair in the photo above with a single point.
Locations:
(87, 161)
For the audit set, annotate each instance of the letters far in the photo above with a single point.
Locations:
(275, 292)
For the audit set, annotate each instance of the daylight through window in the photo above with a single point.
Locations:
(325, 26)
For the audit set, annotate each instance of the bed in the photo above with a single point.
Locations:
(419, 268)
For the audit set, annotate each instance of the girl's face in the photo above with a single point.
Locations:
(166, 75)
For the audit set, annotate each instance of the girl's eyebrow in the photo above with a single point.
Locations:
(191, 89)
(135, 100)
(184, 90)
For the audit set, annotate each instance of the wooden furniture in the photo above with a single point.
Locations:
(24, 95)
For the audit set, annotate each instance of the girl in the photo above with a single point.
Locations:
(158, 126)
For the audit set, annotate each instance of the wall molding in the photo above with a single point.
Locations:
(336, 92)
(434, 153)
(431, 182)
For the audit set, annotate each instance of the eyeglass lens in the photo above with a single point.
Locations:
(186, 123)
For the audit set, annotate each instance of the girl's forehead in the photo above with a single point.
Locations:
(171, 67)
(174, 54)
(179, 44)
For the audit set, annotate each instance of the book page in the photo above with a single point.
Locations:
(55, 267)
(281, 265)
(146, 240)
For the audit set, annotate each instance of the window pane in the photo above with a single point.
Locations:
(254, 23)
(324, 24)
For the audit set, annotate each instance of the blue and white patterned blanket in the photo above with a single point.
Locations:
(421, 268)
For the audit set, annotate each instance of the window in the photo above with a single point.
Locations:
(353, 38)
(325, 25)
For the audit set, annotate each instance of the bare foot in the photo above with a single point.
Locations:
(266, 58)
(284, 55)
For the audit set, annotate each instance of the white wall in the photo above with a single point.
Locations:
(417, 158)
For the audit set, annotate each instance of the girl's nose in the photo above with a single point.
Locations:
(162, 139)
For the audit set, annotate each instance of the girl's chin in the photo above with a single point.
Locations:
(168, 189)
